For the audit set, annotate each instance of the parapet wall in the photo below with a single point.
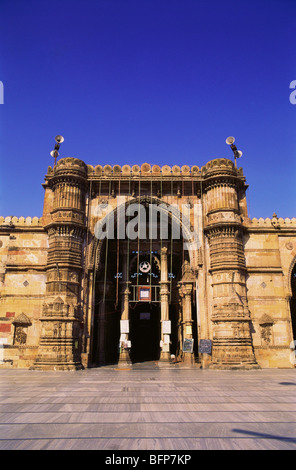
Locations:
(149, 170)
(136, 170)
(274, 222)
(21, 221)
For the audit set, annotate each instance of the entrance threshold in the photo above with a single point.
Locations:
(155, 365)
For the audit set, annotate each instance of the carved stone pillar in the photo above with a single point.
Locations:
(88, 323)
(185, 292)
(60, 342)
(124, 355)
(164, 307)
(232, 341)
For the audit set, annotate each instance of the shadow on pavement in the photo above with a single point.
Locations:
(266, 436)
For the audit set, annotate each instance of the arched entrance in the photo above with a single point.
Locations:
(293, 301)
(144, 291)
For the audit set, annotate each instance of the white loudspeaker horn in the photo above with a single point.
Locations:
(54, 153)
(239, 154)
(59, 139)
(230, 140)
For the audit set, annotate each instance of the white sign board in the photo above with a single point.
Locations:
(166, 327)
(124, 326)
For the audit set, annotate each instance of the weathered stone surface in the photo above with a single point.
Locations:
(233, 286)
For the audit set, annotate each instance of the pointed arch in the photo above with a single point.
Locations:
(292, 285)
(105, 312)
(175, 215)
(290, 272)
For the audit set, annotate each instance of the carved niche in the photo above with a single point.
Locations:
(266, 330)
(21, 323)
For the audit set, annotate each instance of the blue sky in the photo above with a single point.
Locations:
(162, 81)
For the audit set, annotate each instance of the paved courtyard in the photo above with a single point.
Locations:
(148, 408)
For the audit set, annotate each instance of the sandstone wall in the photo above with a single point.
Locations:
(270, 252)
(239, 261)
(23, 254)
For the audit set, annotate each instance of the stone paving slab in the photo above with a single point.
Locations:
(148, 408)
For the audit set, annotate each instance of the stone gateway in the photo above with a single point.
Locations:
(129, 264)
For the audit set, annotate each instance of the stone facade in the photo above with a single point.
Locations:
(71, 298)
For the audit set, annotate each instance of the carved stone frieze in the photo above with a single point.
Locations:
(223, 217)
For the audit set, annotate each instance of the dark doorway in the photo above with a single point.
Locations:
(145, 332)
(293, 302)
(106, 337)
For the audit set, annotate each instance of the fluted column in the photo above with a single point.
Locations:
(185, 292)
(124, 355)
(232, 341)
(164, 307)
(60, 341)
(88, 321)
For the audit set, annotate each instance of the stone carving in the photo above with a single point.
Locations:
(215, 277)
(266, 324)
(21, 323)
